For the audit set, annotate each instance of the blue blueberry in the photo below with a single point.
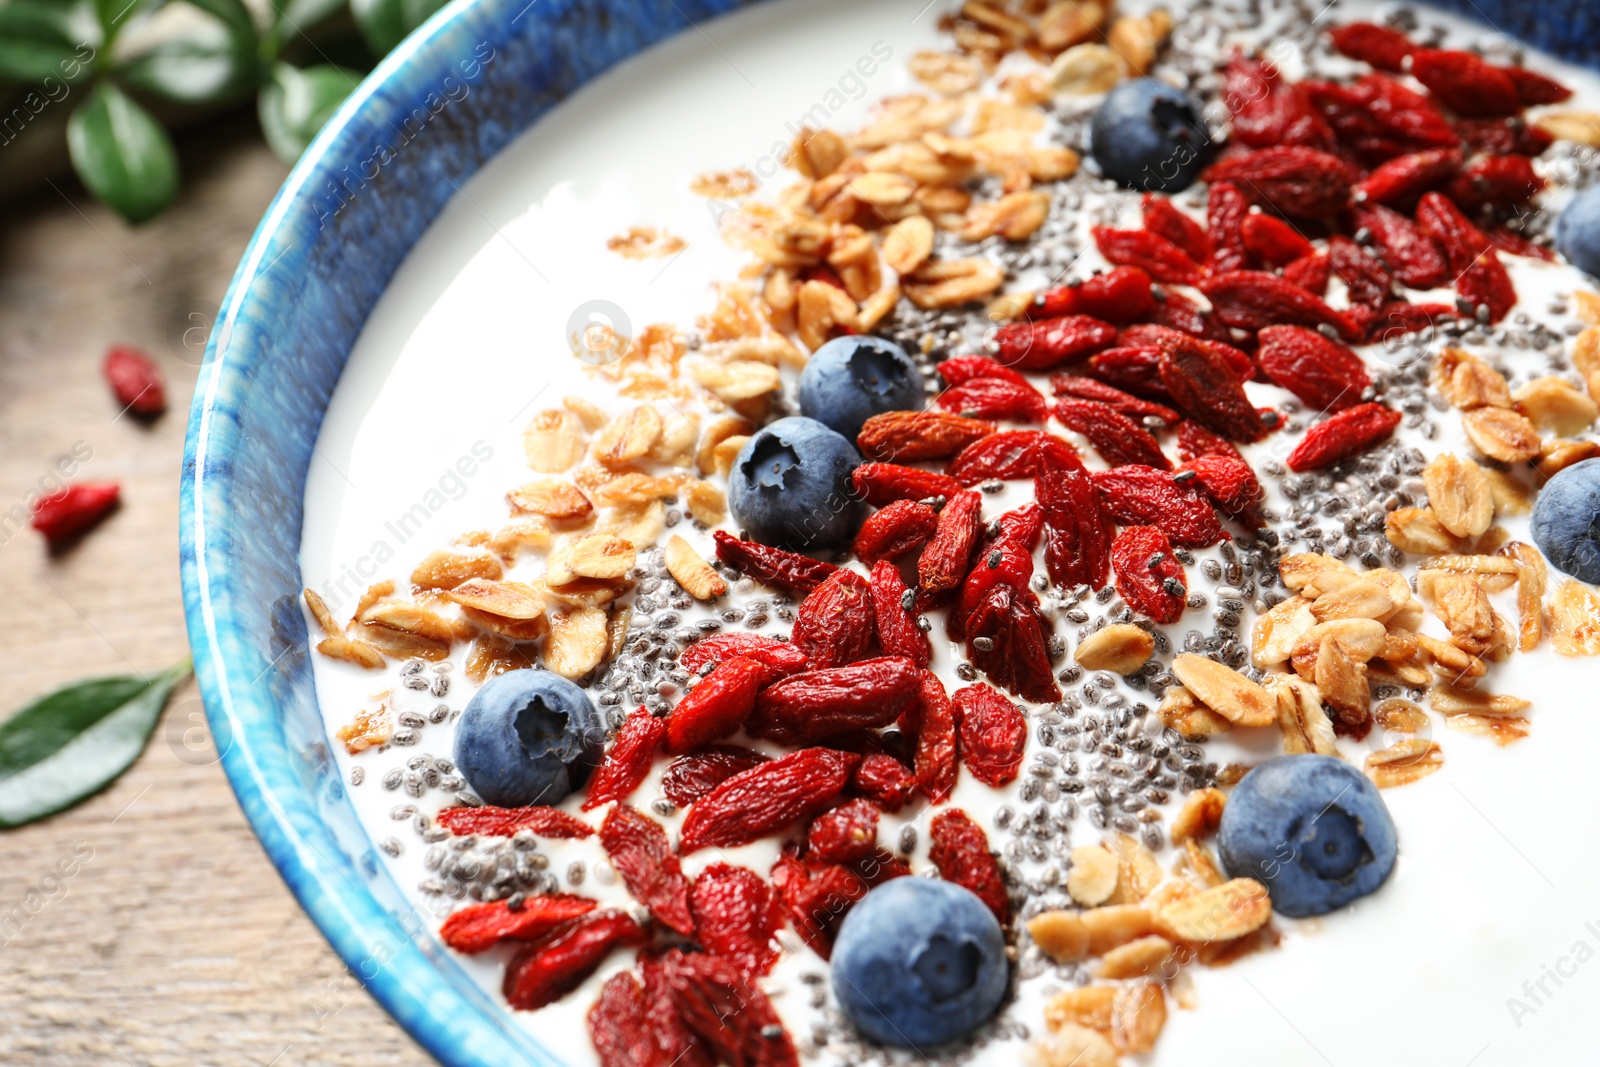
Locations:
(1312, 829)
(919, 962)
(1148, 135)
(1566, 521)
(850, 379)
(528, 737)
(790, 486)
(1578, 232)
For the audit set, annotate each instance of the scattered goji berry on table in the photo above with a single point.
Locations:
(913, 436)
(1118, 439)
(627, 761)
(930, 721)
(1151, 253)
(881, 484)
(1465, 83)
(716, 707)
(1399, 182)
(737, 916)
(1325, 374)
(639, 850)
(1163, 218)
(489, 821)
(550, 968)
(1290, 179)
(945, 559)
(1013, 454)
(68, 512)
(1119, 296)
(688, 778)
(1272, 241)
(135, 381)
(960, 850)
(1149, 576)
(898, 632)
(1039, 344)
(995, 398)
(619, 1025)
(1077, 536)
(768, 797)
(992, 734)
(821, 704)
(897, 529)
(1380, 46)
(1144, 496)
(1343, 435)
(1073, 387)
(479, 927)
(728, 1011)
(772, 566)
(1208, 391)
(834, 623)
(844, 834)
(1251, 299)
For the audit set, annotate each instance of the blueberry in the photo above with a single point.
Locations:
(1149, 135)
(919, 962)
(790, 486)
(528, 737)
(850, 379)
(1312, 829)
(1566, 521)
(1578, 232)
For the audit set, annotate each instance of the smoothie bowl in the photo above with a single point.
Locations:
(891, 533)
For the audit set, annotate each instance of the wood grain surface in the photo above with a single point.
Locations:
(146, 927)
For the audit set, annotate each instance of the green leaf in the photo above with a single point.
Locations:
(301, 16)
(213, 62)
(231, 13)
(40, 40)
(121, 154)
(384, 23)
(296, 103)
(76, 741)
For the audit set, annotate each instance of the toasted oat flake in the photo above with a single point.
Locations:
(1072, 1045)
(1138, 871)
(551, 498)
(946, 73)
(948, 283)
(1572, 615)
(351, 650)
(908, 243)
(1459, 495)
(1183, 713)
(1404, 762)
(1582, 127)
(512, 600)
(553, 441)
(408, 618)
(1070, 935)
(1501, 729)
(1556, 456)
(1501, 434)
(1556, 405)
(1088, 1006)
(1453, 700)
(1469, 382)
(1199, 816)
(578, 641)
(319, 611)
(493, 655)
(1225, 691)
(690, 570)
(1137, 959)
(1278, 631)
(370, 728)
(597, 555)
(1092, 877)
(645, 242)
(1312, 574)
(1532, 577)
(1086, 69)
(629, 436)
(1223, 913)
(1121, 648)
(638, 524)
(444, 569)
(724, 184)
(1138, 1016)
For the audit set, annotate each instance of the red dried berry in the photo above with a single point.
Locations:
(1274, 242)
(1177, 312)
(898, 632)
(1007, 639)
(639, 850)
(1291, 180)
(1267, 111)
(910, 436)
(1312, 273)
(1515, 244)
(1232, 486)
(1004, 561)
(1118, 439)
(550, 968)
(1169, 340)
(1013, 454)
(844, 834)
(897, 529)
(489, 821)
(1020, 526)
(1504, 137)
(679, 1046)
(619, 1025)
(817, 896)
(1153, 254)
(1226, 209)
(944, 560)
(881, 484)
(822, 704)
(1323, 373)
(930, 722)
(1071, 387)
(1441, 220)
(773, 566)
(1495, 183)
(1134, 368)
(627, 761)
(1400, 318)
(737, 917)
(1414, 257)
(1486, 284)
(728, 1011)
(1039, 344)
(717, 706)
(1149, 576)
(768, 798)
(1121, 295)
(960, 850)
(1251, 299)
(884, 780)
(1144, 496)
(480, 927)
(1378, 118)
(995, 398)
(691, 777)
(135, 381)
(1195, 440)
(69, 512)
(1401, 180)
(1206, 390)
(1367, 280)
(1077, 537)
(1163, 218)
(834, 623)
(1535, 89)
(1342, 436)
(1380, 46)
(993, 734)
(778, 656)
(1465, 83)
(959, 370)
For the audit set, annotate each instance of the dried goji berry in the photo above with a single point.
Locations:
(773, 566)
(834, 623)
(489, 821)
(1151, 253)
(619, 1025)
(68, 512)
(959, 370)
(767, 798)
(1274, 242)
(1291, 180)
(995, 398)
(1232, 486)
(1004, 561)
(729, 1011)
(627, 761)
(1144, 496)
(1323, 373)
(1380, 46)
(1149, 577)
(1020, 526)
(1379, 118)
(1177, 312)
(1440, 219)
(688, 778)
(550, 968)
(881, 484)
(1118, 439)
(897, 529)
(135, 381)
(1401, 180)
(1163, 218)
(820, 704)
(1367, 280)
(480, 927)
(1414, 257)
(911, 436)
(1226, 211)
(844, 834)
(1120, 296)
(930, 721)
(944, 560)
(960, 850)
(639, 850)
(1515, 244)
(716, 707)
(993, 734)
(817, 896)
(1495, 183)
(1268, 111)
(1007, 639)
(1170, 340)
(1133, 368)
(679, 1046)
(1504, 137)
(779, 656)
(1072, 387)
(1251, 299)
(1077, 540)
(1208, 391)
(898, 632)
(1013, 454)
(1535, 89)
(1465, 83)
(1342, 436)
(884, 780)
(1195, 440)
(1039, 344)
(1486, 284)
(1400, 318)
(737, 916)
(1311, 273)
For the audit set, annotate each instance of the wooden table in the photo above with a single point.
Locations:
(173, 942)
